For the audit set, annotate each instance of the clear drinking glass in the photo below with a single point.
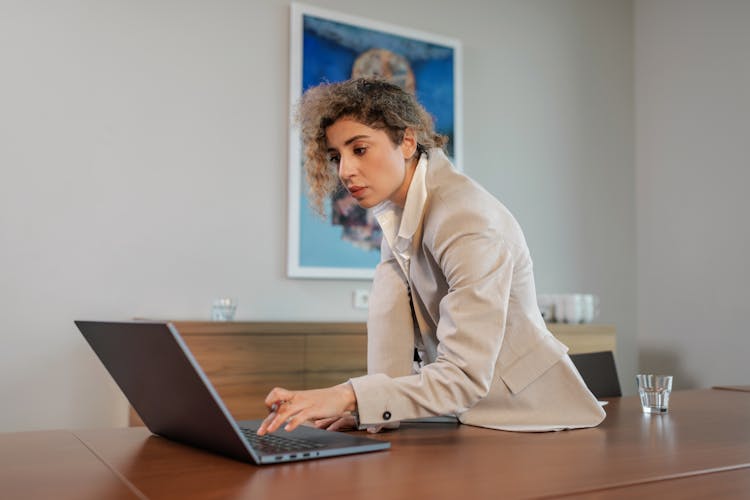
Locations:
(654, 391)
(223, 309)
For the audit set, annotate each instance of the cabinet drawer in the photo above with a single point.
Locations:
(231, 355)
(336, 353)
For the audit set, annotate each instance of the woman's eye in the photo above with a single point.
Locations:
(359, 151)
(333, 160)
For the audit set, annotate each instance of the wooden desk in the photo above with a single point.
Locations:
(740, 388)
(725, 484)
(705, 433)
(56, 464)
(244, 360)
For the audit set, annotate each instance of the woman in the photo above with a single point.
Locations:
(454, 288)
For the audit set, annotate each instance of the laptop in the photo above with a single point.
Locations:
(158, 374)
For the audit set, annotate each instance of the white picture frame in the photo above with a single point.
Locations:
(323, 44)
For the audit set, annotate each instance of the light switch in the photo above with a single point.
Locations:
(361, 299)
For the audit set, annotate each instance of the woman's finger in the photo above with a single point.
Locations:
(280, 413)
(278, 395)
(343, 423)
(295, 421)
(324, 423)
(275, 423)
(266, 422)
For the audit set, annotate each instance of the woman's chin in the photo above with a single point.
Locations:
(366, 203)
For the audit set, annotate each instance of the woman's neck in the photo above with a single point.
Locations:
(399, 197)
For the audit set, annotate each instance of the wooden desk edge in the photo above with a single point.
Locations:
(737, 388)
(666, 477)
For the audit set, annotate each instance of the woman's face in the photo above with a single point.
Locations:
(368, 164)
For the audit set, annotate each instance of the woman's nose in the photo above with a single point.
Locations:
(346, 169)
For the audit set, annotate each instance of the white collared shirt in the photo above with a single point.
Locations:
(400, 224)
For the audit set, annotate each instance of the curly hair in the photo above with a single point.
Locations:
(370, 101)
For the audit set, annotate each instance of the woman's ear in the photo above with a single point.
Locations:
(409, 144)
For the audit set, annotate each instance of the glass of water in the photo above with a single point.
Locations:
(654, 391)
(223, 309)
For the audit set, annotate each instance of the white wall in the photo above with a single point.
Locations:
(693, 173)
(143, 169)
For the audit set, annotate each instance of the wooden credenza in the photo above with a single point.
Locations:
(245, 360)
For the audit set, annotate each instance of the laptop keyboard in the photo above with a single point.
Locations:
(271, 443)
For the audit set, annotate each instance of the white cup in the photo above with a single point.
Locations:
(573, 307)
(590, 308)
(558, 309)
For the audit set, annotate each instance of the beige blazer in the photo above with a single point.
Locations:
(487, 355)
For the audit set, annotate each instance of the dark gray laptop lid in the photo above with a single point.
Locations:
(162, 381)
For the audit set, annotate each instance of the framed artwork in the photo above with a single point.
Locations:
(330, 47)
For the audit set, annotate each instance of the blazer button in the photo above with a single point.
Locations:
(386, 415)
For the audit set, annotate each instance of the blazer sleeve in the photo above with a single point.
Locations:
(390, 327)
(478, 267)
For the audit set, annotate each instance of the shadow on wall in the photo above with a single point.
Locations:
(665, 362)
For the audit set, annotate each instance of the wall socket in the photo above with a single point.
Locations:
(361, 299)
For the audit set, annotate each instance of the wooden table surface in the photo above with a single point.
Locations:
(733, 484)
(740, 388)
(55, 464)
(705, 431)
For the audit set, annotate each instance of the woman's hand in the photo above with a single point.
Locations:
(345, 423)
(296, 407)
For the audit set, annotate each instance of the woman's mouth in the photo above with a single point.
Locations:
(356, 191)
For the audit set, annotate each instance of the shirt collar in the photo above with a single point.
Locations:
(390, 215)
(415, 201)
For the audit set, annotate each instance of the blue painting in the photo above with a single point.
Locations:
(346, 244)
